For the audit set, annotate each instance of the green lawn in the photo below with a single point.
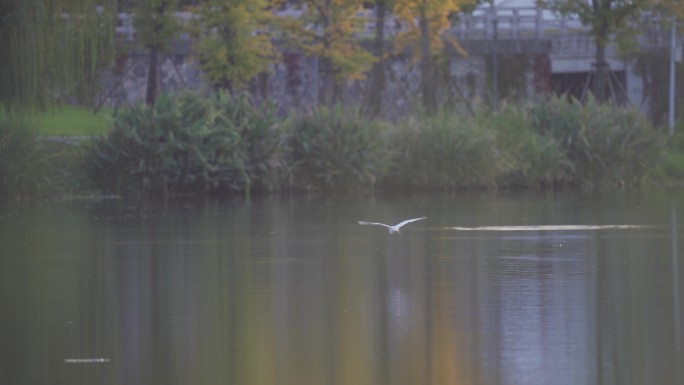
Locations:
(71, 121)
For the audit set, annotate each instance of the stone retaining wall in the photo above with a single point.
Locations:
(292, 83)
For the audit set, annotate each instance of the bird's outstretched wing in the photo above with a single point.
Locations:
(373, 223)
(408, 221)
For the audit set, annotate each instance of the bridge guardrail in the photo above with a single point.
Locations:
(569, 37)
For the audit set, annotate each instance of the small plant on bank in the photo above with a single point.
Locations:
(26, 165)
(532, 158)
(263, 141)
(606, 144)
(444, 151)
(672, 166)
(336, 150)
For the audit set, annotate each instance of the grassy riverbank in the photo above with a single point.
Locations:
(191, 144)
(68, 121)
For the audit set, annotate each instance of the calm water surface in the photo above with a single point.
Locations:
(490, 289)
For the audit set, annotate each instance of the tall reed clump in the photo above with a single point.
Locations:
(26, 166)
(189, 143)
(262, 141)
(444, 151)
(531, 158)
(333, 149)
(606, 144)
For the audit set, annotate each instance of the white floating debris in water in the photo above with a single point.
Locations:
(85, 360)
(545, 228)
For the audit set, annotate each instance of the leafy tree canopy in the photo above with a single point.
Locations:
(436, 14)
(233, 40)
(605, 17)
(156, 22)
(327, 29)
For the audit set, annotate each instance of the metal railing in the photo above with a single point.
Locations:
(568, 35)
(515, 23)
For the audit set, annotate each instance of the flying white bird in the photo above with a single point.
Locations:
(392, 229)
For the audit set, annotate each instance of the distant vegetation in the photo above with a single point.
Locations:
(189, 143)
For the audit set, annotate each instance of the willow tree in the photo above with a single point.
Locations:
(233, 41)
(426, 22)
(49, 46)
(328, 30)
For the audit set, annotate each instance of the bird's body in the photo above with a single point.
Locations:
(392, 229)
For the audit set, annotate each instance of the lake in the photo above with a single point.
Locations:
(491, 288)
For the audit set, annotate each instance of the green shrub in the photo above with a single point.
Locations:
(672, 166)
(606, 144)
(263, 141)
(445, 151)
(531, 158)
(188, 143)
(332, 149)
(27, 166)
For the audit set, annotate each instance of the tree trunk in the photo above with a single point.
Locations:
(427, 73)
(601, 75)
(325, 83)
(601, 9)
(373, 107)
(152, 76)
(326, 88)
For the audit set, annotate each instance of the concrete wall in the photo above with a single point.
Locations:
(556, 46)
(293, 84)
